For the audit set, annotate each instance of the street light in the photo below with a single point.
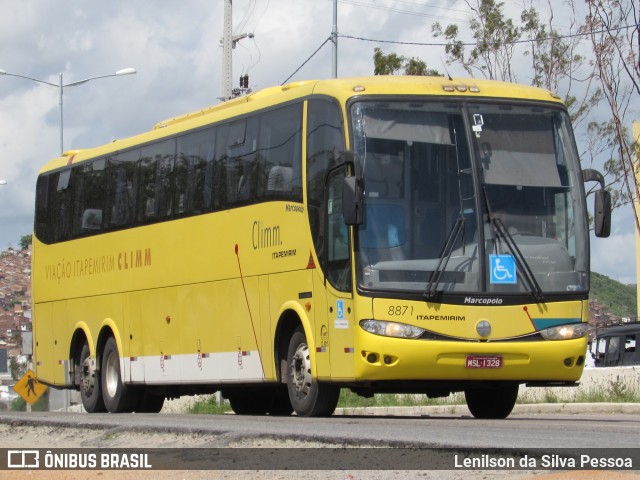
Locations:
(3, 182)
(60, 86)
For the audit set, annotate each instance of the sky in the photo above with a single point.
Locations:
(178, 58)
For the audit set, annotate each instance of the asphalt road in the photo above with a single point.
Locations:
(520, 430)
(436, 443)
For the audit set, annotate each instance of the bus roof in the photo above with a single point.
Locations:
(341, 89)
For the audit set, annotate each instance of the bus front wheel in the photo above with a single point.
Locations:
(149, 403)
(117, 396)
(495, 402)
(90, 391)
(309, 398)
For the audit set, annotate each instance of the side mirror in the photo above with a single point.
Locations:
(602, 207)
(352, 201)
(602, 213)
(352, 188)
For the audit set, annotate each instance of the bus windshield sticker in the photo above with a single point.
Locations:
(503, 269)
(478, 122)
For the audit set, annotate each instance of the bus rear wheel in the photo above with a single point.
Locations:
(118, 397)
(494, 402)
(90, 391)
(309, 398)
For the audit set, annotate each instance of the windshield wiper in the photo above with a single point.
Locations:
(521, 262)
(447, 251)
(502, 232)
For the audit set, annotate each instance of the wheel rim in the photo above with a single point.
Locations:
(87, 379)
(112, 376)
(301, 371)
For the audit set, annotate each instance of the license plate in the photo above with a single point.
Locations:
(484, 361)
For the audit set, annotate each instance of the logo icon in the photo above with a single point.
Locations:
(503, 269)
(23, 459)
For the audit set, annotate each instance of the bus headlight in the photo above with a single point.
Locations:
(565, 332)
(391, 329)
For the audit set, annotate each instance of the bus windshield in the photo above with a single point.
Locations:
(470, 198)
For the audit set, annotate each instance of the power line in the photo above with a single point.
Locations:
(420, 4)
(397, 10)
(305, 62)
(468, 44)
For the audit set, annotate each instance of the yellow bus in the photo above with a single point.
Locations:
(380, 234)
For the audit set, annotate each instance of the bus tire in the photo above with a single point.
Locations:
(149, 403)
(309, 398)
(281, 405)
(90, 391)
(495, 402)
(118, 397)
(248, 405)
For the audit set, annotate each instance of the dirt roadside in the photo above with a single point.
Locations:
(43, 437)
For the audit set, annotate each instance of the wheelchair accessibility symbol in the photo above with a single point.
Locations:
(503, 269)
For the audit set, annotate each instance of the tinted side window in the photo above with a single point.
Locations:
(156, 181)
(61, 222)
(221, 186)
(281, 152)
(252, 159)
(88, 197)
(236, 169)
(121, 189)
(244, 172)
(194, 172)
(325, 141)
(54, 206)
(42, 226)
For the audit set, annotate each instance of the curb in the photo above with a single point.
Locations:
(520, 409)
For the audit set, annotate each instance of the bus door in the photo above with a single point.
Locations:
(340, 312)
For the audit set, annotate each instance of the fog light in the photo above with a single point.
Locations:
(568, 362)
(372, 358)
(580, 361)
(388, 360)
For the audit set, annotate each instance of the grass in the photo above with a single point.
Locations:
(211, 406)
(616, 391)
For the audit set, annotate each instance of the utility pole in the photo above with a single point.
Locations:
(229, 41)
(226, 50)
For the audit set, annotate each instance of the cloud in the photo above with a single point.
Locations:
(179, 60)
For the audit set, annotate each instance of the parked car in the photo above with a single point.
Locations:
(616, 346)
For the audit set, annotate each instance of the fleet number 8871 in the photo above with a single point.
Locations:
(399, 310)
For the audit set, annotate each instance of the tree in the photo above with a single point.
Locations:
(16, 368)
(555, 62)
(495, 37)
(559, 62)
(25, 241)
(613, 29)
(394, 64)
